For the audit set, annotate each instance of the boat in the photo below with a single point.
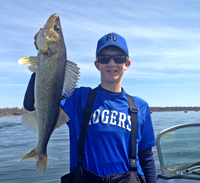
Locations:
(178, 150)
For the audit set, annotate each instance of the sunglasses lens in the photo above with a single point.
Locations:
(103, 59)
(107, 59)
(118, 59)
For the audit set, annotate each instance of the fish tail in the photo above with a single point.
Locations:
(41, 164)
(41, 160)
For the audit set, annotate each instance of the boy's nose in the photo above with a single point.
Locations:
(111, 62)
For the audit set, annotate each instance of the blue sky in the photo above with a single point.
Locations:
(163, 39)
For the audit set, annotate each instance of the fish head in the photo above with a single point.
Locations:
(52, 29)
(51, 35)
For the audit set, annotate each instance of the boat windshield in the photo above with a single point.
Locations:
(179, 147)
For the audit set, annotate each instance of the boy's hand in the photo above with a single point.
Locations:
(35, 37)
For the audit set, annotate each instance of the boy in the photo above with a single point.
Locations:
(108, 141)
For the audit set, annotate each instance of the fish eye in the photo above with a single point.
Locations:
(56, 27)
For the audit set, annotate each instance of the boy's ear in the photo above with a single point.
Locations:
(127, 64)
(96, 64)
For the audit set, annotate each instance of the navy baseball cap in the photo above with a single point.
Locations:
(112, 39)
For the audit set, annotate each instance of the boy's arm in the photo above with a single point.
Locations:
(29, 99)
(147, 164)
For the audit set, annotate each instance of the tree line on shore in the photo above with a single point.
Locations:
(163, 109)
(21, 111)
(12, 111)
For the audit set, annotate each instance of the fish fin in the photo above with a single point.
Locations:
(30, 121)
(62, 118)
(71, 78)
(41, 160)
(32, 154)
(41, 43)
(30, 62)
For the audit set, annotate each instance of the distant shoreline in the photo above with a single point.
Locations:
(12, 116)
(172, 109)
(14, 112)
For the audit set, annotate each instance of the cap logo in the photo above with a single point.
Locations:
(111, 37)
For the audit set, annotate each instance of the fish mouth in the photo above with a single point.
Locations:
(53, 18)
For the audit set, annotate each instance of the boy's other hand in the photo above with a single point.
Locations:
(35, 37)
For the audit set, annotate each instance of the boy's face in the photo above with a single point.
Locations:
(112, 73)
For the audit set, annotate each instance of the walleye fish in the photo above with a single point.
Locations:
(55, 75)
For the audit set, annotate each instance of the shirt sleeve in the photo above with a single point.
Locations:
(148, 138)
(74, 105)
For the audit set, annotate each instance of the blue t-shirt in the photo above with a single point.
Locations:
(108, 141)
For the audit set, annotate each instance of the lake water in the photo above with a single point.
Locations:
(16, 141)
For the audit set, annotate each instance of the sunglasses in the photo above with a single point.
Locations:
(118, 59)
